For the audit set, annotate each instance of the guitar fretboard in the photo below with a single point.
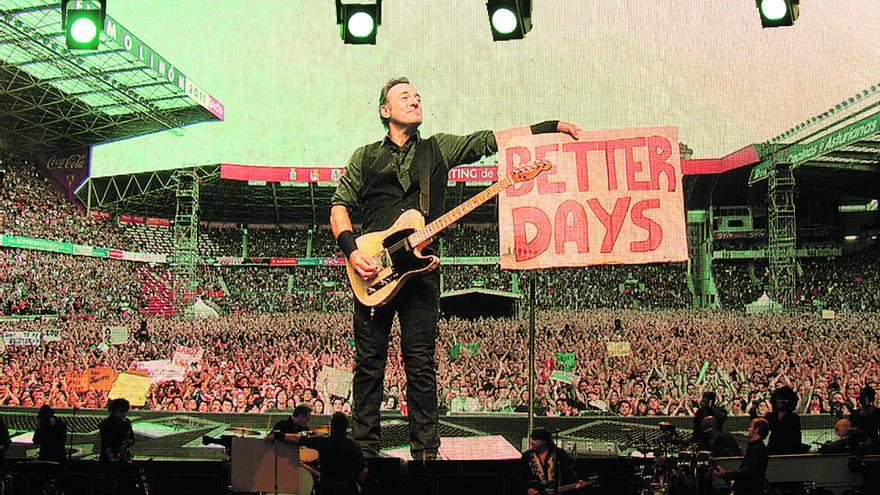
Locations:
(432, 229)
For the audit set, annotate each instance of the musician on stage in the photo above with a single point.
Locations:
(785, 424)
(382, 180)
(849, 439)
(117, 438)
(50, 435)
(343, 467)
(708, 407)
(867, 417)
(545, 466)
(712, 439)
(5, 443)
(297, 422)
(749, 478)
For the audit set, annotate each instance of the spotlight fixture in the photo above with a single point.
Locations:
(776, 13)
(358, 22)
(83, 26)
(509, 19)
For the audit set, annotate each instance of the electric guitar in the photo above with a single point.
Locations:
(398, 250)
(550, 488)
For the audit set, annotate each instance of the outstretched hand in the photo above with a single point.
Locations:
(570, 129)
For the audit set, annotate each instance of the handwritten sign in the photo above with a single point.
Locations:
(101, 378)
(162, 370)
(334, 381)
(21, 338)
(76, 383)
(132, 387)
(612, 197)
(617, 349)
(118, 335)
(188, 357)
(565, 377)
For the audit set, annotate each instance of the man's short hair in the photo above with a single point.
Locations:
(709, 423)
(339, 422)
(118, 405)
(383, 96)
(301, 410)
(762, 426)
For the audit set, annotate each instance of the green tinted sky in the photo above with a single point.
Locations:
(295, 95)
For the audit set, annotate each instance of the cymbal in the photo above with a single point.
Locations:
(241, 431)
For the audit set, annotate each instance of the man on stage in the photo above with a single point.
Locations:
(297, 422)
(381, 181)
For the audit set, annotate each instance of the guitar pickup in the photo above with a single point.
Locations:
(382, 282)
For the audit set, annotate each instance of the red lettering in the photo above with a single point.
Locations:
(544, 184)
(610, 147)
(612, 222)
(655, 232)
(524, 156)
(580, 150)
(659, 151)
(525, 249)
(576, 231)
(633, 167)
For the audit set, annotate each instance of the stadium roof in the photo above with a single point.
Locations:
(152, 194)
(54, 99)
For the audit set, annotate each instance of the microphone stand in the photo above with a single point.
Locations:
(69, 447)
(276, 467)
(556, 467)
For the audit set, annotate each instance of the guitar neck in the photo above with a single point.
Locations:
(431, 230)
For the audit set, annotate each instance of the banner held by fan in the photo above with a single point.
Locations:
(612, 197)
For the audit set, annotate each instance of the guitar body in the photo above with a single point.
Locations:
(398, 260)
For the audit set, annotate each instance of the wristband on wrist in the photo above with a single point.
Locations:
(346, 241)
(545, 127)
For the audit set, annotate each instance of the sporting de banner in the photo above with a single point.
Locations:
(611, 197)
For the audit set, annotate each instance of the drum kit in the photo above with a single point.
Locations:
(308, 458)
(674, 466)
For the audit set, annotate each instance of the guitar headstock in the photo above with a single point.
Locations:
(530, 170)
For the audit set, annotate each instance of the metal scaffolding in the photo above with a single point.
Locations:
(782, 235)
(186, 237)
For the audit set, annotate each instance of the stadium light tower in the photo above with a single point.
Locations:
(358, 22)
(509, 19)
(776, 13)
(83, 23)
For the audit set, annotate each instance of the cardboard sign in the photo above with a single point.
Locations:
(617, 349)
(612, 197)
(188, 357)
(118, 335)
(335, 382)
(565, 377)
(11, 339)
(133, 387)
(101, 378)
(51, 335)
(76, 383)
(162, 370)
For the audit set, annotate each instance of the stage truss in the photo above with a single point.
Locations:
(54, 99)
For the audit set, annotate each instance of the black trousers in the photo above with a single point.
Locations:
(417, 308)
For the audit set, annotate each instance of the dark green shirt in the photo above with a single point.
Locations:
(456, 150)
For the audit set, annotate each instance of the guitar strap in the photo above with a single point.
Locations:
(427, 153)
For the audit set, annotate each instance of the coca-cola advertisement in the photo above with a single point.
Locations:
(67, 171)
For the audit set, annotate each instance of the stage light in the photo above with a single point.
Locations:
(776, 13)
(82, 26)
(358, 23)
(509, 19)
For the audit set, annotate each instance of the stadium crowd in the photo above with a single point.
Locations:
(482, 363)
(258, 363)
